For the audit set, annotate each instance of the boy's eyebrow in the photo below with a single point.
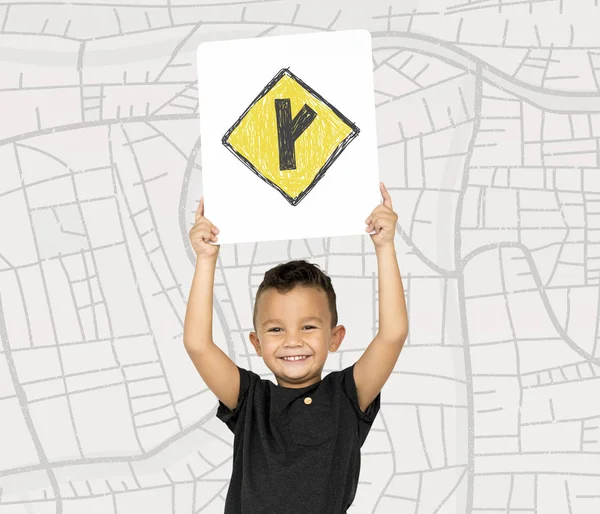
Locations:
(303, 319)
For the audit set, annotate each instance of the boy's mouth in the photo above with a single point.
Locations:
(295, 359)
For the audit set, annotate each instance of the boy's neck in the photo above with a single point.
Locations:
(286, 385)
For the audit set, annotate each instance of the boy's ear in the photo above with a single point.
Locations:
(337, 336)
(255, 342)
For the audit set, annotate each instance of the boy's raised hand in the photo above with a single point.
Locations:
(383, 220)
(202, 232)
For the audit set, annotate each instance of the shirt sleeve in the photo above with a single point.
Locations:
(366, 418)
(228, 416)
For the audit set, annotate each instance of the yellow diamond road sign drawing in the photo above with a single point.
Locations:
(289, 136)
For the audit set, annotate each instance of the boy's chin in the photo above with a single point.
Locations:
(290, 366)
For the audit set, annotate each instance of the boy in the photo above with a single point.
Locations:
(297, 444)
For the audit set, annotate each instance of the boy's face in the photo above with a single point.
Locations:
(295, 323)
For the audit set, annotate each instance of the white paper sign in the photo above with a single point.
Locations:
(288, 139)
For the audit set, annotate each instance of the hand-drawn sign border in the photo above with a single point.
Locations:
(336, 153)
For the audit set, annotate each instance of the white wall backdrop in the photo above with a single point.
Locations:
(488, 116)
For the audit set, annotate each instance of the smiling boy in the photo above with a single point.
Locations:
(297, 444)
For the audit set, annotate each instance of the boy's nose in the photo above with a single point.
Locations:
(294, 339)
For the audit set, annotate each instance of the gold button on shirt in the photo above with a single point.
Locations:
(308, 400)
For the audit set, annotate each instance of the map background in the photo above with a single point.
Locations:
(489, 142)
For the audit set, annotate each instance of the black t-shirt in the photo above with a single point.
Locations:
(292, 454)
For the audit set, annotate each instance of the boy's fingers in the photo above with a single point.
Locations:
(380, 209)
(387, 199)
(373, 213)
(207, 235)
(381, 217)
(200, 213)
(205, 226)
(384, 192)
(200, 209)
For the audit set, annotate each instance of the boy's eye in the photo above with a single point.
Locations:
(276, 328)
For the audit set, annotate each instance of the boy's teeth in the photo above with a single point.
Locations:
(294, 358)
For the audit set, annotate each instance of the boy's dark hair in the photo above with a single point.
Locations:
(284, 277)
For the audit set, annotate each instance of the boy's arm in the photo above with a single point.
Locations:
(218, 371)
(376, 364)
